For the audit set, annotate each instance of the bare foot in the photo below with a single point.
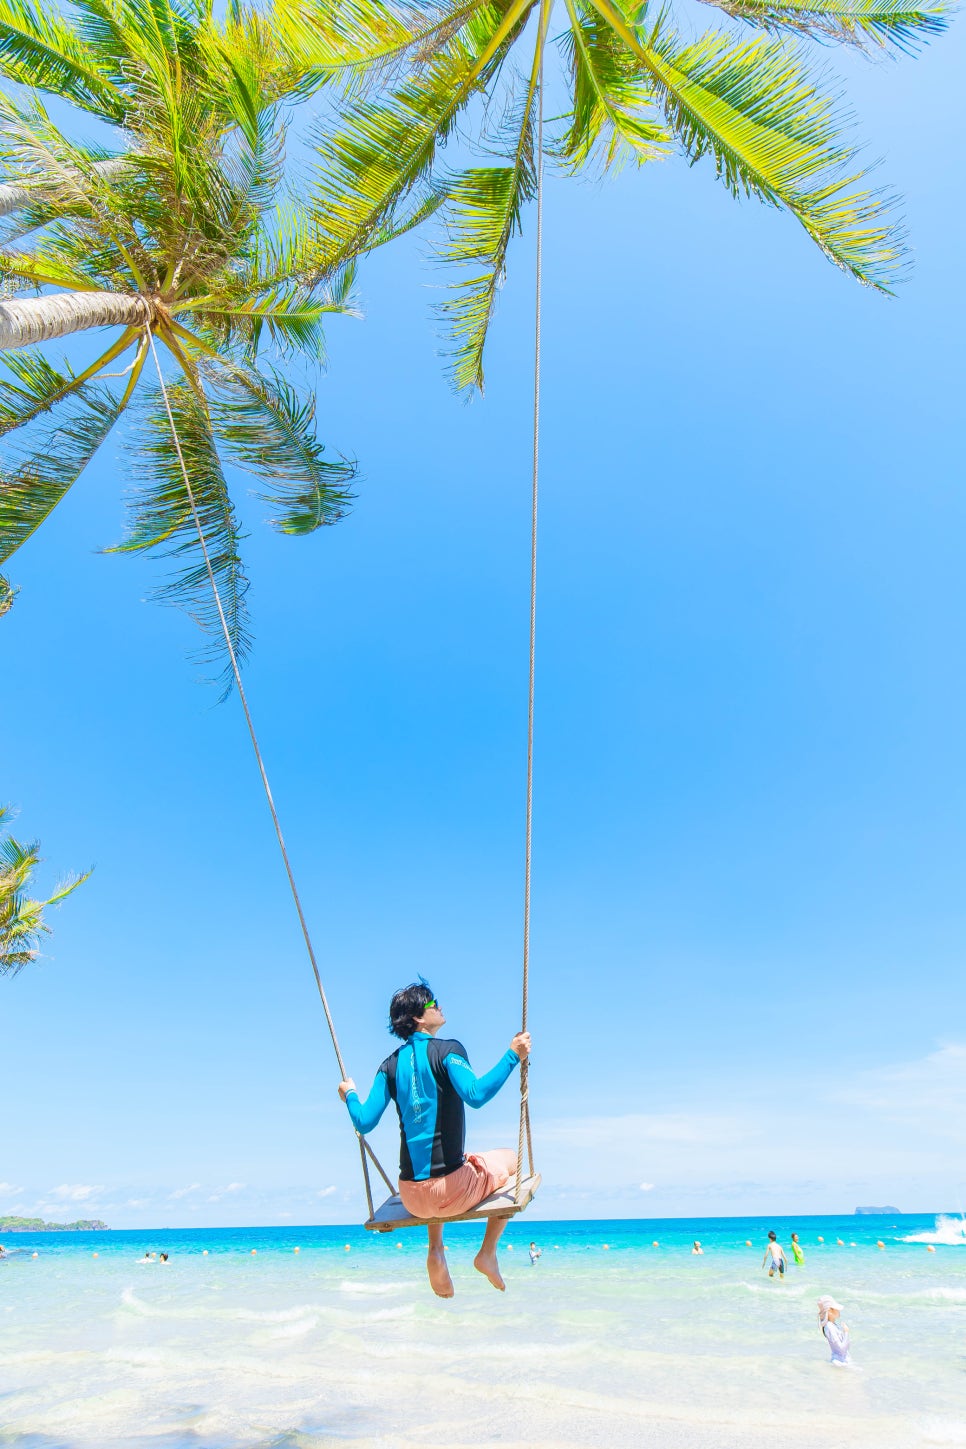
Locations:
(486, 1263)
(439, 1273)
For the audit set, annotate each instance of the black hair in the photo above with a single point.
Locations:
(773, 1237)
(408, 1004)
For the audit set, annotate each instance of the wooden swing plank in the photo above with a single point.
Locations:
(501, 1204)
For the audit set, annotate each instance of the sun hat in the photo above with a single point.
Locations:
(824, 1304)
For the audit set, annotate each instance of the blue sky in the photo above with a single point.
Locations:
(750, 797)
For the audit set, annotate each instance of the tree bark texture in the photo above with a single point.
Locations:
(39, 319)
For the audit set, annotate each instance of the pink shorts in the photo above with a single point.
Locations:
(459, 1191)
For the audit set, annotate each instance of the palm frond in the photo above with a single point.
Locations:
(28, 270)
(8, 594)
(862, 23)
(755, 111)
(22, 924)
(292, 323)
(38, 48)
(33, 482)
(285, 251)
(84, 189)
(269, 430)
(67, 887)
(293, 316)
(383, 152)
(280, 292)
(483, 215)
(160, 518)
(485, 210)
(31, 386)
(358, 41)
(613, 109)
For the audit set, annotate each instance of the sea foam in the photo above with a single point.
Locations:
(949, 1231)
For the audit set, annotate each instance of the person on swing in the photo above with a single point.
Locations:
(429, 1079)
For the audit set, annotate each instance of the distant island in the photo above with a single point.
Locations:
(873, 1212)
(37, 1225)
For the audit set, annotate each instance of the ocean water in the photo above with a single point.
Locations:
(609, 1341)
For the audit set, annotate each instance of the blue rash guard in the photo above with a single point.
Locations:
(429, 1080)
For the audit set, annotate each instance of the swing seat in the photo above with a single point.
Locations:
(501, 1204)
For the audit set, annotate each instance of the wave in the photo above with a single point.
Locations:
(298, 1328)
(787, 1290)
(949, 1231)
(377, 1289)
(921, 1295)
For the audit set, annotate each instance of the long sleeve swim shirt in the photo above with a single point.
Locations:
(837, 1338)
(429, 1080)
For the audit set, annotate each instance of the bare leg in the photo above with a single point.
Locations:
(436, 1263)
(485, 1261)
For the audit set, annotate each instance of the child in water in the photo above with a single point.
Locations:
(836, 1333)
(774, 1259)
(797, 1253)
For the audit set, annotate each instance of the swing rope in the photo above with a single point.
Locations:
(364, 1148)
(525, 1135)
(525, 1130)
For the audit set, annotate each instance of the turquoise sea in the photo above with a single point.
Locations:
(608, 1341)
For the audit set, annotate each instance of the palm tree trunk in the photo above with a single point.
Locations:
(39, 319)
(12, 197)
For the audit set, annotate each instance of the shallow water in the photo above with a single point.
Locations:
(623, 1345)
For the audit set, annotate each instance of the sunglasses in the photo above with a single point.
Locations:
(428, 1004)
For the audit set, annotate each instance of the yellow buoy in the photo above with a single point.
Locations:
(880, 1244)
(607, 1247)
(399, 1245)
(93, 1255)
(929, 1249)
(747, 1242)
(254, 1251)
(347, 1247)
(295, 1250)
(35, 1255)
(204, 1252)
(840, 1242)
(821, 1240)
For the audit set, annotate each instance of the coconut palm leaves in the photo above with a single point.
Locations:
(183, 222)
(636, 89)
(22, 923)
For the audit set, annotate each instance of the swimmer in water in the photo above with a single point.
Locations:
(697, 1248)
(797, 1253)
(836, 1333)
(774, 1257)
(535, 1252)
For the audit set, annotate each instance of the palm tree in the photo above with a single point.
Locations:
(22, 923)
(182, 225)
(633, 89)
